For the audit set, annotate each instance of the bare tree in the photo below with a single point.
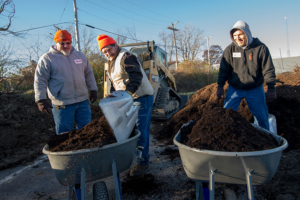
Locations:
(7, 12)
(168, 43)
(215, 53)
(164, 38)
(189, 42)
(171, 46)
(5, 54)
(7, 9)
(132, 33)
(119, 37)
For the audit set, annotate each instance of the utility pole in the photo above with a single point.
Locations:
(174, 29)
(208, 49)
(281, 60)
(287, 37)
(76, 26)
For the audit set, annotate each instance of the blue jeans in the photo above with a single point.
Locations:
(256, 102)
(144, 105)
(64, 118)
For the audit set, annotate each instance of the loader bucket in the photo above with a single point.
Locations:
(120, 113)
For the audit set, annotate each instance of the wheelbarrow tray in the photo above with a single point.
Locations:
(96, 162)
(230, 167)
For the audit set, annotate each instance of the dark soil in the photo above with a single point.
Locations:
(24, 131)
(140, 185)
(221, 129)
(96, 134)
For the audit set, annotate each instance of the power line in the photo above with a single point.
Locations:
(149, 10)
(109, 21)
(40, 27)
(130, 11)
(110, 32)
(63, 11)
(122, 14)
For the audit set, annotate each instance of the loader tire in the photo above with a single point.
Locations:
(100, 191)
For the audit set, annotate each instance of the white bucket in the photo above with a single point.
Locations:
(272, 123)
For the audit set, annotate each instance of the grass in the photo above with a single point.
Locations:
(29, 94)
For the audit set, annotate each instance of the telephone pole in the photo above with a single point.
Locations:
(76, 26)
(174, 29)
(208, 49)
(287, 37)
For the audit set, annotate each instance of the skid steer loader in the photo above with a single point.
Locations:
(153, 59)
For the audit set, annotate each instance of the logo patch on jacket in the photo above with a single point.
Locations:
(78, 61)
(250, 56)
(236, 54)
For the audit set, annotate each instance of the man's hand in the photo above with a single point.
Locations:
(129, 92)
(44, 106)
(93, 96)
(220, 93)
(270, 95)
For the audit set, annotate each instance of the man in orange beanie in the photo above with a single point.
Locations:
(126, 73)
(66, 75)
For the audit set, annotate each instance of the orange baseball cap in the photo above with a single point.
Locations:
(62, 35)
(104, 40)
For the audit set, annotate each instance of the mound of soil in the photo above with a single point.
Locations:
(96, 134)
(221, 129)
(285, 108)
(140, 185)
(287, 116)
(24, 130)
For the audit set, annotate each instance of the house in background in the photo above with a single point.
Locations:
(29, 69)
(172, 66)
(285, 64)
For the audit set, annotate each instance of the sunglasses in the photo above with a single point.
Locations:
(63, 43)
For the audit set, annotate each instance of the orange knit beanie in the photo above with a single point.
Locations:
(62, 35)
(104, 40)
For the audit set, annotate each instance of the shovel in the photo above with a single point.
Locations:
(120, 113)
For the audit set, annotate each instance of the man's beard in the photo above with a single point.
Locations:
(66, 53)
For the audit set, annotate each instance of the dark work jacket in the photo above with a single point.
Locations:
(247, 68)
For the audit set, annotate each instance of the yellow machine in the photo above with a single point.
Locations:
(154, 62)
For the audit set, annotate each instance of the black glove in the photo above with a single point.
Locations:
(220, 93)
(44, 106)
(93, 96)
(270, 95)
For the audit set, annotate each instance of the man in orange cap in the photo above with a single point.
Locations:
(126, 73)
(66, 75)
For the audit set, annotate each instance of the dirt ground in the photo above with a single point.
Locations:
(24, 131)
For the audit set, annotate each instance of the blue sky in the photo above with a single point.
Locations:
(215, 18)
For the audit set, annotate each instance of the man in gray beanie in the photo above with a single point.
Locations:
(246, 63)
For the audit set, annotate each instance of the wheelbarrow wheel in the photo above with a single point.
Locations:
(100, 191)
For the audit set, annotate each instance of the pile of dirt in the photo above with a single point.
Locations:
(287, 116)
(24, 130)
(95, 134)
(221, 129)
(140, 185)
(285, 108)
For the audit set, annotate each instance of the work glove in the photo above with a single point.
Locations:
(44, 106)
(270, 95)
(220, 93)
(129, 92)
(93, 96)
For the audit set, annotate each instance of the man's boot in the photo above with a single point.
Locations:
(138, 169)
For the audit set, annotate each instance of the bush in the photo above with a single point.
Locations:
(296, 69)
(192, 75)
